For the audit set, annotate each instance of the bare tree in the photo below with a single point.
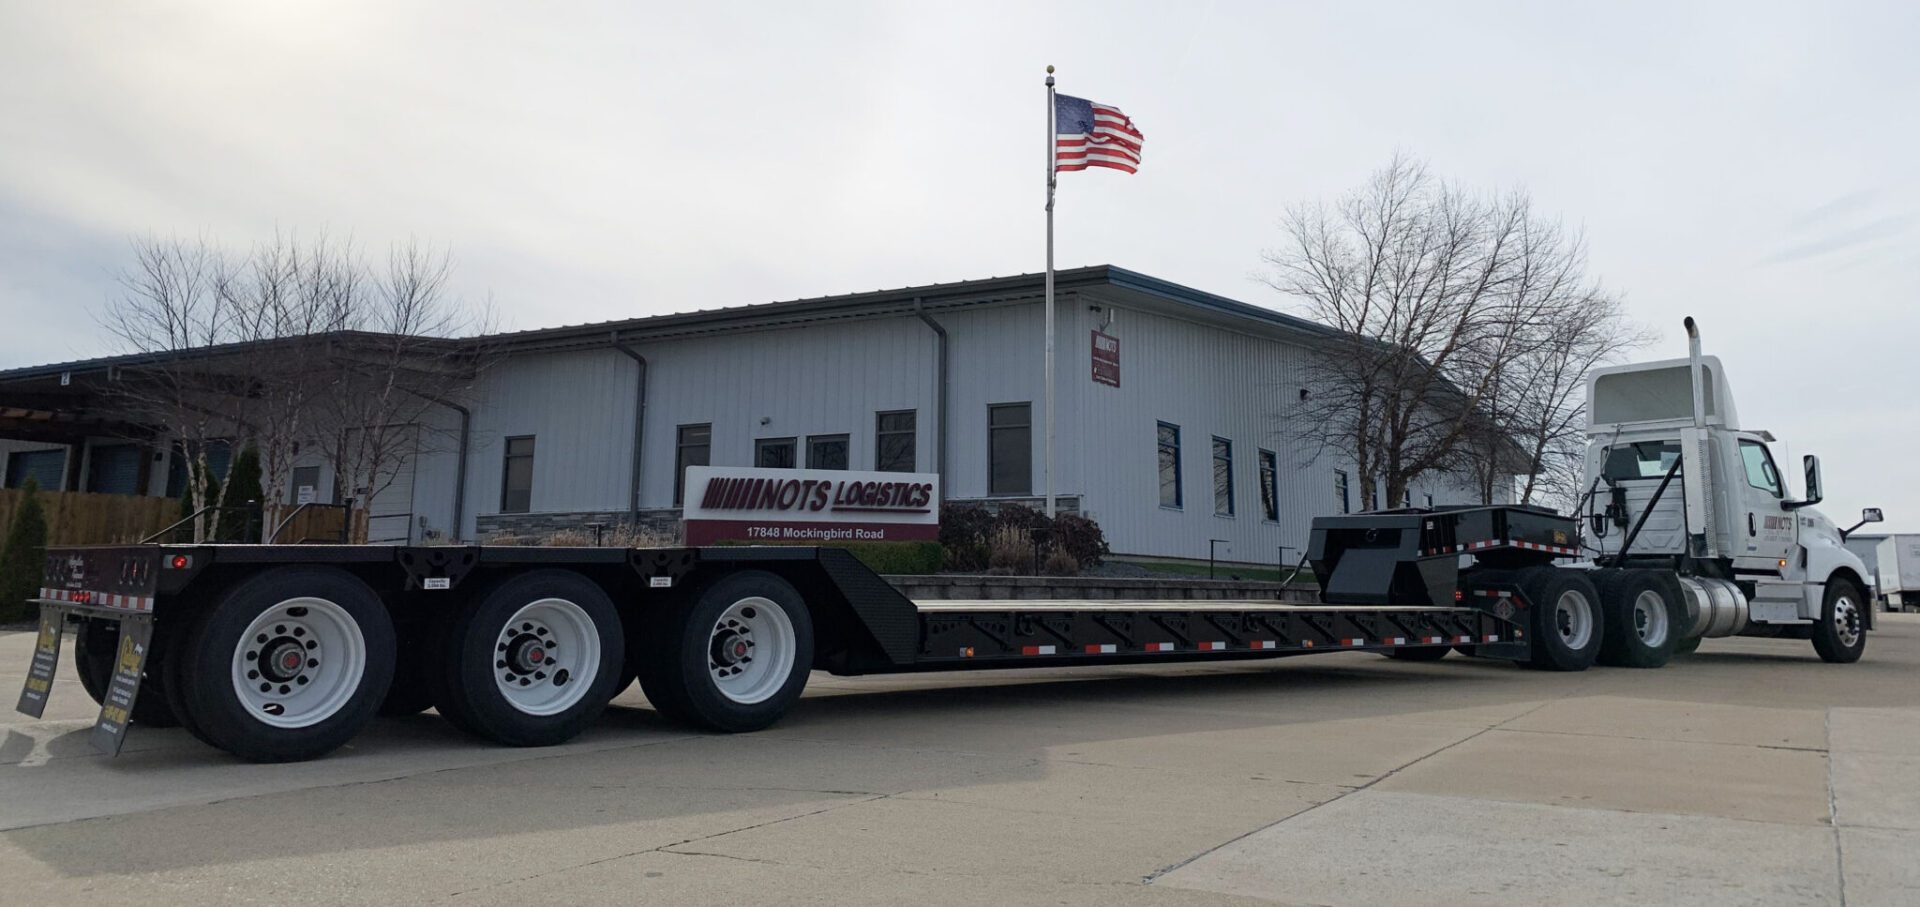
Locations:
(296, 343)
(393, 366)
(172, 317)
(1437, 295)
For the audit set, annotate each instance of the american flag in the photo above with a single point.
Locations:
(1087, 134)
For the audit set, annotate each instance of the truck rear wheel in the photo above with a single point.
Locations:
(1840, 635)
(733, 659)
(1566, 622)
(288, 665)
(1644, 614)
(533, 661)
(96, 644)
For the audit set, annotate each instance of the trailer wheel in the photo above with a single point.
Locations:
(1418, 653)
(288, 665)
(736, 657)
(96, 644)
(1566, 623)
(1644, 613)
(1840, 636)
(533, 661)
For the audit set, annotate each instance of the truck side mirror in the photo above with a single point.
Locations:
(1871, 515)
(1814, 495)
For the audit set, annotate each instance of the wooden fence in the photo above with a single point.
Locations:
(83, 518)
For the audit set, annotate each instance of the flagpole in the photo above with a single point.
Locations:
(1052, 174)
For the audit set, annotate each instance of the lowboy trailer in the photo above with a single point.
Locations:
(278, 653)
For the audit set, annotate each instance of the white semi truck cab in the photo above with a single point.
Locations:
(1676, 482)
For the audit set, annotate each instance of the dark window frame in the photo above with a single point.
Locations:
(790, 442)
(994, 432)
(846, 450)
(1343, 487)
(507, 458)
(1161, 450)
(882, 434)
(1217, 459)
(680, 462)
(1269, 468)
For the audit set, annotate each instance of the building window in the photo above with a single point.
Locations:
(304, 486)
(1269, 486)
(47, 469)
(1222, 477)
(1010, 448)
(774, 453)
(1429, 502)
(1373, 496)
(115, 469)
(516, 482)
(1340, 492)
(1169, 440)
(894, 436)
(692, 447)
(219, 455)
(827, 452)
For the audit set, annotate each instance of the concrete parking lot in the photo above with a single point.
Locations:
(1747, 773)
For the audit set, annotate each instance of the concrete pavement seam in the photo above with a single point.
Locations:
(1833, 813)
(1149, 879)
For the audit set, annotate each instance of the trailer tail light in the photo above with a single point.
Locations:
(179, 562)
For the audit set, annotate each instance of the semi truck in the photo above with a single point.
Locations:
(285, 652)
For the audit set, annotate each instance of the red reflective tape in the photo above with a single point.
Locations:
(1354, 642)
(1105, 648)
(1263, 643)
(1434, 640)
(1159, 647)
(1397, 641)
(1464, 639)
(1036, 650)
(1493, 637)
(1213, 645)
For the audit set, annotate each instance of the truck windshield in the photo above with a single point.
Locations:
(1641, 460)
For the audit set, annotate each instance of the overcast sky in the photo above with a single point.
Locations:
(1750, 164)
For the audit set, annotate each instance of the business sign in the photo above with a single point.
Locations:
(738, 503)
(1106, 359)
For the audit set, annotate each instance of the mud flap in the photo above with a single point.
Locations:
(46, 660)
(116, 708)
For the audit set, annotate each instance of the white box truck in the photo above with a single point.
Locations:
(1899, 566)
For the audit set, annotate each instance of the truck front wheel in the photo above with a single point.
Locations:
(1840, 636)
(734, 658)
(287, 665)
(1566, 618)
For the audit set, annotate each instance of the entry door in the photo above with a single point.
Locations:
(1769, 528)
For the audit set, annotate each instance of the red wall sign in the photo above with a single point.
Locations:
(809, 505)
(1106, 359)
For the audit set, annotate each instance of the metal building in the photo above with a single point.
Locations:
(1171, 409)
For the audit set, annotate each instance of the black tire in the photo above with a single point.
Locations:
(679, 674)
(486, 639)
(1687, 646)
(1645, 613)
(226, 720)
(96, 644)
(412, 691)
(176, 681)
(1418, 653)
(1571, 644)
(1840, 636)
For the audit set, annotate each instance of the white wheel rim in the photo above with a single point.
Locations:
(299, 663)
(1846, 621)
(1573, 618)
(1650, 618)
(546, 657)
(751, 650)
